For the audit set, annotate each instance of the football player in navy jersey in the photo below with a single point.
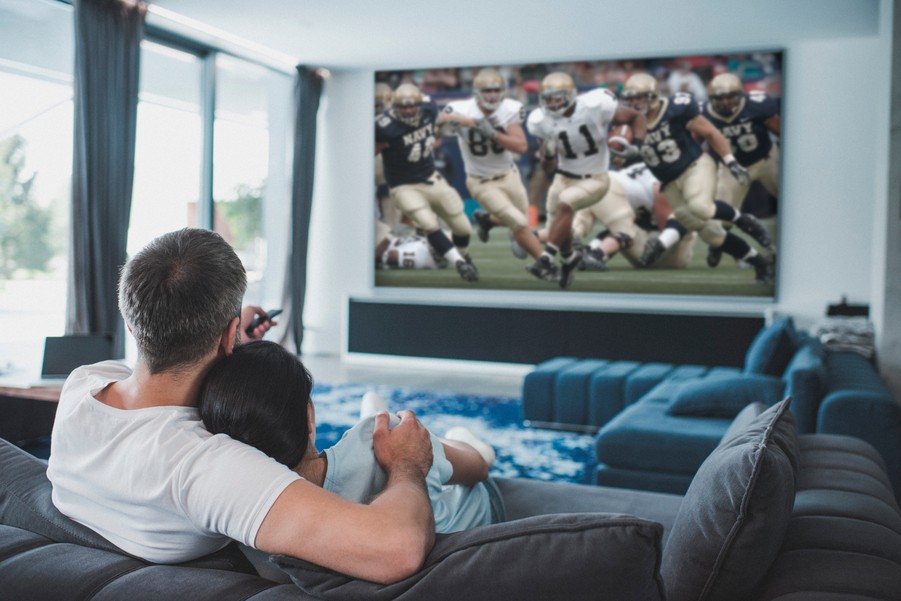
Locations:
(573, 134)
(748, 121)
(405, 136)
(688, 175)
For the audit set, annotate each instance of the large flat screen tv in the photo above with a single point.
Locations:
(649, 233)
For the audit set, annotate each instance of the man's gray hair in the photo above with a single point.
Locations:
(178, 294)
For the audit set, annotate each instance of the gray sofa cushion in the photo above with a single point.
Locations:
(723, 395)
(736, 512)
(25, 502)
(564, 556)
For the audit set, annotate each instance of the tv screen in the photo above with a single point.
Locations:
(651, 176)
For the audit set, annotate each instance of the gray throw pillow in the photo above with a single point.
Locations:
(735, 513)
(565, 556)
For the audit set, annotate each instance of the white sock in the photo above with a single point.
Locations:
(371, 404)
(464, 434)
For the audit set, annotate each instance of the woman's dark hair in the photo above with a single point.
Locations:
(259, 395)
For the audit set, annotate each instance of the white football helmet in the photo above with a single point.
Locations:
(407, 103)
(558, 93)
(725, 92)
(641, 92)
(489, 86)
(383, 95)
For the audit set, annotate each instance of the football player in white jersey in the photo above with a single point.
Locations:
(634, 197)
(488, 149)
(573, 134)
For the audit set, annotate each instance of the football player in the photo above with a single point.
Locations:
(487, 148)
(405, 136)
(385, 209)
(573, 134)
(748, 121)
(687, 174)
(630, 212)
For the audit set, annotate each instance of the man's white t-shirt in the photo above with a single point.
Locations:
(154, 481)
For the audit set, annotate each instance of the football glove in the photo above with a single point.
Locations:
(627, 151)
(550, 149)
(739, 173)
(486, 128)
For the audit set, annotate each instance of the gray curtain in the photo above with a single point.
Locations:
(309, 90)
(108, 35)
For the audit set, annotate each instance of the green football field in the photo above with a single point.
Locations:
(500, 270)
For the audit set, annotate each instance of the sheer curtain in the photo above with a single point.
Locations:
(108, 35)
(309, 91)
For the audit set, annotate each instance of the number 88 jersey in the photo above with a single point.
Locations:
(483, 157)
(669, 147)
(581, 138)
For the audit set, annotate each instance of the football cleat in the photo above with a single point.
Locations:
(544, 269)
(749, 225)
(652, 252)
(568, 269)
(483, 224)
(467, 270)
(714, 254)
(764, 269)
(593, 260)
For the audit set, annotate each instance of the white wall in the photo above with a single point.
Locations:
(836, 107)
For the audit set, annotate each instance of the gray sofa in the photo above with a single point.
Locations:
(769, 516)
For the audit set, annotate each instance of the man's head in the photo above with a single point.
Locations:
(558, 93)
(260, 395)
(178, 295)
(407, 104)
(488, 87)
(726, 93)
(642, 93)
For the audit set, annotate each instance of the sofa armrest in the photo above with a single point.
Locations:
(871, 415)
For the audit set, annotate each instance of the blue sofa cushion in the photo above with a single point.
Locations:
(565, 556)
(772, 348)
(736, 512)
(805, 382)
(724, 395)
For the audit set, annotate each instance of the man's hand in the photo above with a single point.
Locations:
(738, 172)
(486, 128)
(406, 449)
(247, 315)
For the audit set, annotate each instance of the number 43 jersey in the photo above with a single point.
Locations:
(581, 138)
(408, 155)
(481, 156)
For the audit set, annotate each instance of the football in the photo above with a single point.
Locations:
(618, 136)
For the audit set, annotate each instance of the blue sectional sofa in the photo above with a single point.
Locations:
(655, 423)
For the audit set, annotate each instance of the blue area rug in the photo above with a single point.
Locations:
(521, 452)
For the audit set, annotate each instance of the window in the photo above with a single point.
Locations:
(36, 124)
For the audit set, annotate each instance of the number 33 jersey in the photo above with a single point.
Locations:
(581, 138)
(481, 156)
(408, 156)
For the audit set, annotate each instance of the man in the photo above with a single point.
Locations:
(573, 131)
(487, 149)
(748, 121)
(633, 211)
(405, 136)
(132, 461)
(687, 174)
